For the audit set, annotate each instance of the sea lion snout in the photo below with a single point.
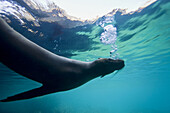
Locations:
(110, 64)
(119, 64)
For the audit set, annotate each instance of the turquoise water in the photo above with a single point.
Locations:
(143, 86)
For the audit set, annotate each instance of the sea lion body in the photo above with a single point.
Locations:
(56, 73)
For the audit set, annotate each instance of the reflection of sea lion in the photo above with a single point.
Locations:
(56, 73)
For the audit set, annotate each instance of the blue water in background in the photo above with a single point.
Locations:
(143, 86)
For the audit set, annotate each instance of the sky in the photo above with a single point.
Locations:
(90, 9)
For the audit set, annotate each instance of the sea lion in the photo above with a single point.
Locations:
(56, 73)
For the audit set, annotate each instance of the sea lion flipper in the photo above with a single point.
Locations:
(28, 94)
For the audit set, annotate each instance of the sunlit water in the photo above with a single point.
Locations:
(143, 86)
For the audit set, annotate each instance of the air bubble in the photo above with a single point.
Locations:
(109, 36)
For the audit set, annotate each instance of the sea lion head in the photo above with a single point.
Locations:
(105, 66)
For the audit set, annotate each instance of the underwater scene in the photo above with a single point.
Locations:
(141, 38)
